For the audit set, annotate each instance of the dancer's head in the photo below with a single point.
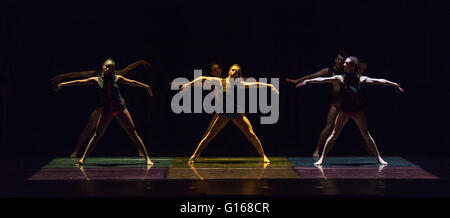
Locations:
(215, 69)
(235, 71)
(351, 64)
(109, 67)
(362, 66)
(339, 59)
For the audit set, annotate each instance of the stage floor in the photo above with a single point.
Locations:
(239, 176)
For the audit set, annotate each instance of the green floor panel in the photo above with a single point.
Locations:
(110, 162)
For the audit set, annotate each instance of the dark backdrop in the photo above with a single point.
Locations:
(403, 41)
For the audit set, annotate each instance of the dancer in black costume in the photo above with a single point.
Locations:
(113, 106)
(95, 114)
(351, 104)
(335, 103)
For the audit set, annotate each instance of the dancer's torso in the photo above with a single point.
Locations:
(231, 103)
(350, 93)
(335, 88)
(110, 96)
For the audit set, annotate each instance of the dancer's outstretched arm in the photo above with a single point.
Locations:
(365, 79)
(88, 81)
(133, 66)
(199, 81)
(135, 83)
(57, 79)
(257, 84)
(319, 73)
(337, 78)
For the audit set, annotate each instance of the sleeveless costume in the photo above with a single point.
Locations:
(226, 102)
(110, 97)
(350, 92)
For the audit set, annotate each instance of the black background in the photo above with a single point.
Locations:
(402, 41)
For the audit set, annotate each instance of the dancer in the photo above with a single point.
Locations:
(216, 71)
(351, 104)
(335, 96)
(248, 173)
(362, 66)
(95, 114)
(113, 106)
(239, 119)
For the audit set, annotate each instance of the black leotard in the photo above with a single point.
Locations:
(110, 96)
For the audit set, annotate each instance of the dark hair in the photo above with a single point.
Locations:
(344, 54)
(361, 61)
(212, 63)
(355, 61)
(110, 59)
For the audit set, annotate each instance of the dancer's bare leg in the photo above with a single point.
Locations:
(341, 120)
(213, 119)
(368, 149)
(218, 125)
(103, 123)
(92, 122)
(244, 125)
(361, 122)
(332, 112)
(125, 120)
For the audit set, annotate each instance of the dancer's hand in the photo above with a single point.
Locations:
(274, 89)
(146, 64)
(182, 87)
(55, 80)
(149, 90)
(399, 89)
(302, 84)
(57, 87)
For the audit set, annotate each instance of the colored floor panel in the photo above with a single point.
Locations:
(109, 162)
(205, 168)
(365, 161)
(232, 173)
(363, 173)
(100, 174)
(233, 162)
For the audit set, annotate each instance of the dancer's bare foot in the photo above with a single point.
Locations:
(141, 154)
(381, 161)
(316, 154)
(79, 163)
(266, 160)
(192, 158)
(149, 162)
(319, 162)
(73, 155)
